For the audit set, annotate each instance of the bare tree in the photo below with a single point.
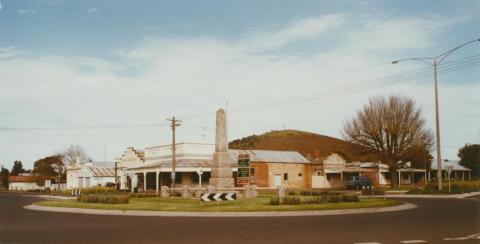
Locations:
(393, 127)
(74, 154)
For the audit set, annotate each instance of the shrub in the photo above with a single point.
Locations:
(316, 199)
(104, 198)
(369, 192)
(291, 200)
(456, 187)
(98, 190)
(334, 198)
(145, 194)
(274, 201)
(350, 198)
(292, 193)
(415, 191)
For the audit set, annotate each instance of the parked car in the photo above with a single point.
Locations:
(359, 182)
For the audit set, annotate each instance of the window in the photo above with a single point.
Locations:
(285, 176)
(252, 171)
(178, 178)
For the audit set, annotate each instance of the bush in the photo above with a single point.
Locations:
(292, 193)
(415, 191)
(274, 201)
(457, 187)
(98, 190)
(368, 192)
(334, 198)
(291, 200)
(350, 198)
(316, 199)
(143, 195)
(105, 198)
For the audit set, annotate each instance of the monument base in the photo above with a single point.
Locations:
(222, 182)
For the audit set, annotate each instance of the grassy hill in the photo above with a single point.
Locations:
(310, 145)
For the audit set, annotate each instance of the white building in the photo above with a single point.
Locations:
(24, 183)
(84, 175)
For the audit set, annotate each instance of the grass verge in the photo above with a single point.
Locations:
(194, 205)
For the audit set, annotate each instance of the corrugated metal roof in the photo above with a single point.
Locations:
(99, 171)
(264, 156)
(270, 156)
(455, 164)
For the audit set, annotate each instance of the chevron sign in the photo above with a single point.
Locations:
(209, 197)
(75, 192)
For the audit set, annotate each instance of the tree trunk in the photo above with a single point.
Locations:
(393, 178)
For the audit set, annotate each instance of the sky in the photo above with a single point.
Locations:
(108, 74)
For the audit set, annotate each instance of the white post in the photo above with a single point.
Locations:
(399, 178)
(156, 181)
(463, 175)
(144, 181)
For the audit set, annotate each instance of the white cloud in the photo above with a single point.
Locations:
(388, 33)
(298, 30)
(197, 75)
(93, 10)
(26, 11)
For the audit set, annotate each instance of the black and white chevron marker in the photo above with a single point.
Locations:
(75, 192)
(209, 197)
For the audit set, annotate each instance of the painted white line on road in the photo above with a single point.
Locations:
(470, 237)
(413, 241)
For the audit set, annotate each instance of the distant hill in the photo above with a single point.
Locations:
(310, 145)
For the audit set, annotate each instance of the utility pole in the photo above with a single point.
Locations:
(435, 61)
(173, 123)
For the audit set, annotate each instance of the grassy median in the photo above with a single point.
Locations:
(194, 205)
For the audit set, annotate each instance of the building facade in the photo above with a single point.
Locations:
(85, 175)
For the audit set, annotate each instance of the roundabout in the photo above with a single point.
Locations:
(440, 220)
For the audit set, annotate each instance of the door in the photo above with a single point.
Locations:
(277, 180)
(87, 182)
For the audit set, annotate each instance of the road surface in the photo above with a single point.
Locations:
(433, 221)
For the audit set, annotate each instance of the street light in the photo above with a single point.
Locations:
(435, 61)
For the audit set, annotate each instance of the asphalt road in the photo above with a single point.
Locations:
(432, 222)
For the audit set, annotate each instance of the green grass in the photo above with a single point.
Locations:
(247, 205)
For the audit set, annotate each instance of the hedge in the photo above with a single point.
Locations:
(104, 198)
(457, 187)
(314, 199)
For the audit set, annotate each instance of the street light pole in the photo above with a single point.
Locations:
(435, 62)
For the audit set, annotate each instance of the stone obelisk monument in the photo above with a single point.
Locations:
(222, 176)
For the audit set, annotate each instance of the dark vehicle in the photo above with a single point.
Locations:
(359, 182)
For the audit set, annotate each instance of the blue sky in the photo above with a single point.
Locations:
(89, 63)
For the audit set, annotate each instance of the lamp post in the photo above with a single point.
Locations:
(435, 61)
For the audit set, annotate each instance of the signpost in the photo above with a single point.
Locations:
(449, 170)
(218, 197)
(200, 172)
(76, 192)
(243, 173)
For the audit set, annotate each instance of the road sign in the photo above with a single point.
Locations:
(243, 166)
(218, 197)
(76, 192)
(449, 169)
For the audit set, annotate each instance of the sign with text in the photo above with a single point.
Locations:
(243, 166)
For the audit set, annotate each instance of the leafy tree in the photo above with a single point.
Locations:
(470, 158)
(17, 168)
(4, 178)
(51, 166)
(393, 127)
